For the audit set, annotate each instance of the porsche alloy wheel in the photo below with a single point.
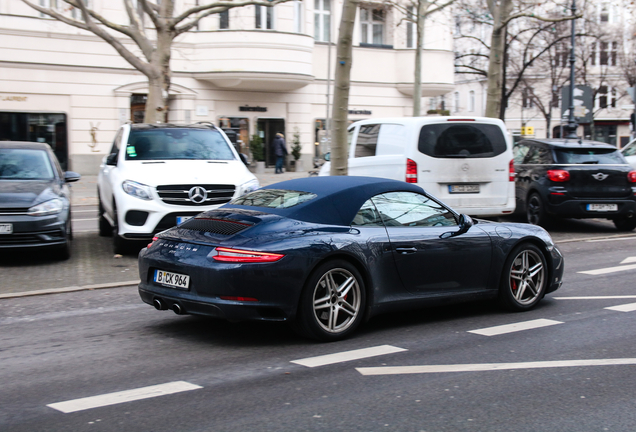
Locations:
(525, 278)
(333, 301)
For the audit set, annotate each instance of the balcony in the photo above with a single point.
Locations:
(256, 60)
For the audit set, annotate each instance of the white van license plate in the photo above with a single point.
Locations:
(6, 228)
(602, 207)
(172, 279)
(463, 188)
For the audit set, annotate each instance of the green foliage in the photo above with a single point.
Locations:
(296, 146)
(256, 145)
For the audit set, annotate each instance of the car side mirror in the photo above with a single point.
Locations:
(111, 159)
(327, 156)
(243, 157)
(70, 176)
(464, 222)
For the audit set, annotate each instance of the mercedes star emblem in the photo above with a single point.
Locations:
(198, 194)
(600, 176)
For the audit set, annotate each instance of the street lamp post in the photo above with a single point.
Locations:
(572, 125)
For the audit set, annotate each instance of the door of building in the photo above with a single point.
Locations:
(267, 129)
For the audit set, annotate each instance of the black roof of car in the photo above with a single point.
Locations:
(149, 126)
(570, 143)
(25, 145)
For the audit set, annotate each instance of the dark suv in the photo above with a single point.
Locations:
(574, 179)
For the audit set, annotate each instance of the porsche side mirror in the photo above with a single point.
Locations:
(464, 222)
(111, 159)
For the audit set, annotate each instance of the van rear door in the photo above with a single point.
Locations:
(467, 164)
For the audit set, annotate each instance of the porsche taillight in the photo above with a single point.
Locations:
(411, 171)
(154, 239)
(244, 256)
(559, 176)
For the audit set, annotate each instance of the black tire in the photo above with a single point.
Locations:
(524, 278)
(535, 211)
(625, 224)
(105, 230)
(120, 245)
(341, 287)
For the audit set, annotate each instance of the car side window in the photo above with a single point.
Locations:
(115, 148)
(532, 155)
(367, 140)
(519, 153)
(630, 150)
(409, 209)
(367, 216)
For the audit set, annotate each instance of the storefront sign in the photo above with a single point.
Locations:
(363, 112)
(256, 108)
(14, 98)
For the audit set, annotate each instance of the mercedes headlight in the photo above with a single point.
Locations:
(248, 187)
(49, 207)
(137, 190)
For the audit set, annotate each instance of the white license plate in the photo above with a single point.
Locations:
(463, 188)
(172, 279)
(6, 228)
(602, 207)
(181, 219)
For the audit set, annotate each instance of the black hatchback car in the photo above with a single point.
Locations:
(574, 179)
(35, 207)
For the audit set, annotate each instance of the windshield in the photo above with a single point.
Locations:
(588, 156)
(25, 164)
(177, 143)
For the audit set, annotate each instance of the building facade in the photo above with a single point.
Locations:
(252, 71)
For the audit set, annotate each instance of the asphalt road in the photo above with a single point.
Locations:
(57, 349)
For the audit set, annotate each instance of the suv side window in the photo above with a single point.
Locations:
(539, 155)
(115, 148)
(367, 140)
(519, 152)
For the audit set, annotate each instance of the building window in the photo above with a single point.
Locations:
(471, 101)
(224, 19)
(372, 26)
(322, 20)
(410, 27)
(606, 97)
(264, 17)
(432, 104)
(526, 98)
(51, 4)
(604, 54)
(298, 16)
(562, 55)
(604, 13)
(456, 102)
(76, 13)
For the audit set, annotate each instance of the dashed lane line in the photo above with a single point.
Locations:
(616, 297)
(515, 327)
(123, 396)
(630, 307)
(483, 367)
(607, 270)
(346, 356)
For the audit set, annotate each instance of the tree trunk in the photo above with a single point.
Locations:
(159, 80)
(548, 125)
(422, 7)
(342, 82)
(504, 67)
(500, 12)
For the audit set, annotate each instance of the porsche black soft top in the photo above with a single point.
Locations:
(338, 198)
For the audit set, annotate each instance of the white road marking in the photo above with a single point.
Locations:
(399, 370)
(511, 328)
(348, 356)
(629, 260)
(593, 240)
(81, 220)
(596, 297)
(609, 270)
(84, 211)
(123, 396)
(630, 307)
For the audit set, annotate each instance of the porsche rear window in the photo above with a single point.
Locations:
(274, 198)
(588, 156)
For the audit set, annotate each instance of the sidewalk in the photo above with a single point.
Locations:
(84, 192)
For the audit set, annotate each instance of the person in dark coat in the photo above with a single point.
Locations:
(280, 150)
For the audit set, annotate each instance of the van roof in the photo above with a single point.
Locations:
(418, 121)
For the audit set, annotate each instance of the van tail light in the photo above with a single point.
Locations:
(511, 171)
(631, 176)
(558, 175)
(411, 171)
(244, 256)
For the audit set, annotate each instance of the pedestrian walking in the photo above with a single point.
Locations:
(280, 150)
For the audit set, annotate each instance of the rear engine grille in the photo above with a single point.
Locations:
(215, 226)
(194, 195)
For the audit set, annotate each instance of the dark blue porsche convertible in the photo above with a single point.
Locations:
(327, 253)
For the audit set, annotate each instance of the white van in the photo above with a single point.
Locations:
(464, 161)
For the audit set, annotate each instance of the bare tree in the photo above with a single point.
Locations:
(155, 45)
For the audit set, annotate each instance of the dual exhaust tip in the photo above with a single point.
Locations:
(161, 305)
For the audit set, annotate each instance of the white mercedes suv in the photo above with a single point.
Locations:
(158, 175)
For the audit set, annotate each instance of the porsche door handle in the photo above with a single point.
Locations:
(405, 250)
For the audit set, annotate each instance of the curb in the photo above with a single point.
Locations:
(69, 289)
